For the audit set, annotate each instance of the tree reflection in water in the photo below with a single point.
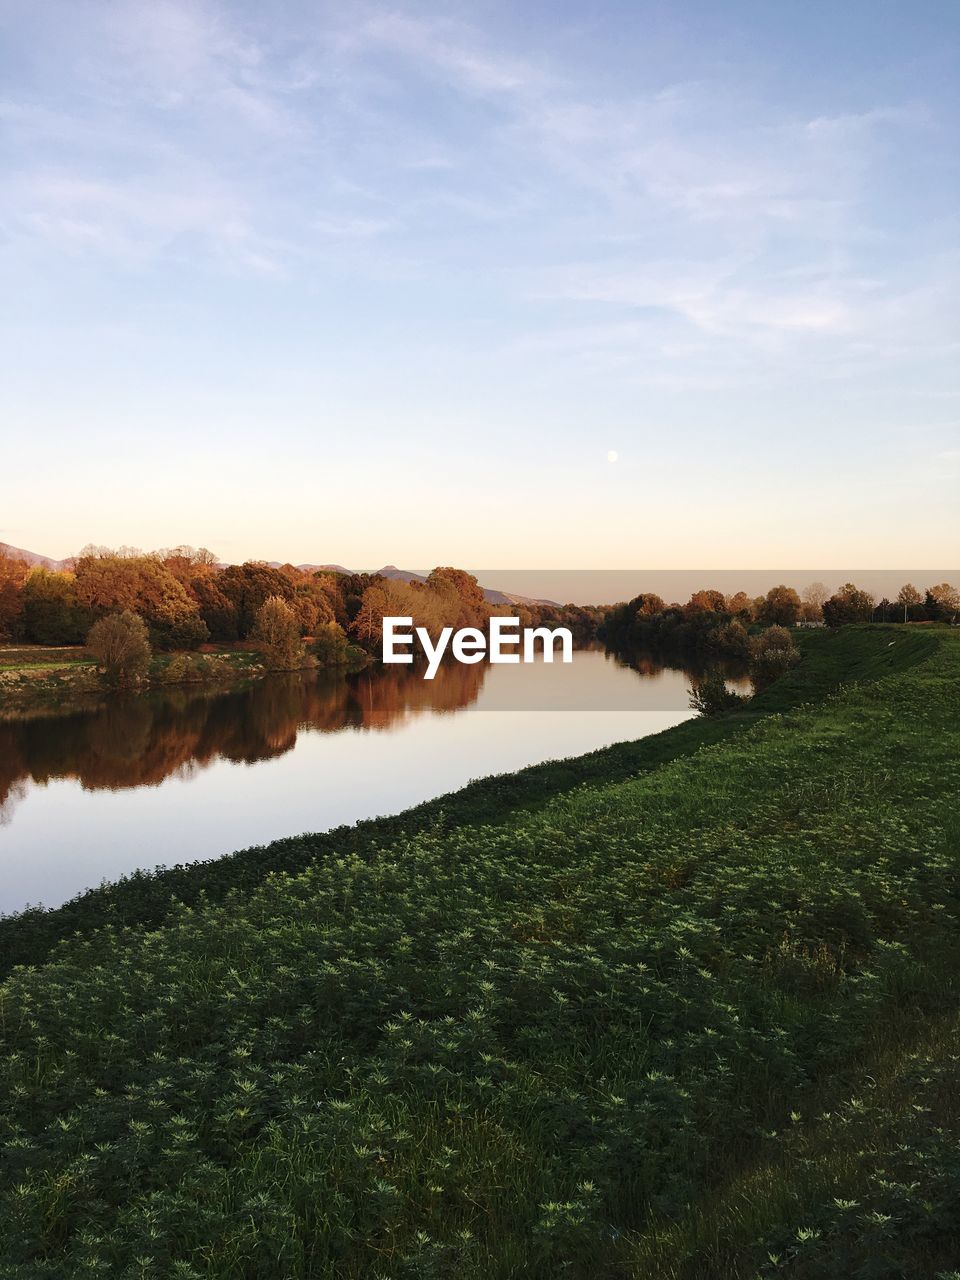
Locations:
(141, 740)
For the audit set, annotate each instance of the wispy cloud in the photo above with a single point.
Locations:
(455, 52)
(421, 144)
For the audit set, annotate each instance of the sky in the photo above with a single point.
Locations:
(560, 285)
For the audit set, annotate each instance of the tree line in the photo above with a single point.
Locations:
(124, 604)
(716, 623)
(186, 599)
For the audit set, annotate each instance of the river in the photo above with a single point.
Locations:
(186, 774)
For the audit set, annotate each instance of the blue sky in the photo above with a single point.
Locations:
(362, 283)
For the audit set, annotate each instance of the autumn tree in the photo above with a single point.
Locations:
(465, 589)
(219, 613)
(13, 574)
(740, 605)
(109, 582)
(910, 601)
(52, 614)
(389, 597)
(249, 586)
(707, 601)
(121, 646)
(311, 603)
(353, 587)
(650, 604)
(188, 563)
(781, 606)
(944, 602)
(276, 631)
(848, 605)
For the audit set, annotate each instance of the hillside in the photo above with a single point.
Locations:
(31, 557)
(674, 1023)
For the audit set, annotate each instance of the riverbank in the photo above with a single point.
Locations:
(573, 1020)
(831, 659)
(37, 680)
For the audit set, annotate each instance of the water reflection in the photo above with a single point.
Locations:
(187, 774)
(138, 741)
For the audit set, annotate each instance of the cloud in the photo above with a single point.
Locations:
(454, 52)
(388, 144)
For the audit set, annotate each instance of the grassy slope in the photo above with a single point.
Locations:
(569, 1044)
(830, 659)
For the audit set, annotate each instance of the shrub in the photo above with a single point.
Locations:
(277, 633)
(730, 639)
(119, 643)
(331, 648)
(177, 670)
(772, 654)
(710, 696)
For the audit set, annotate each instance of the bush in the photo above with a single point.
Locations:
(730, 640)
(331, 648)
(119, 643)
(772, 654)
(178, 670)
(277, 633)
(710, 696)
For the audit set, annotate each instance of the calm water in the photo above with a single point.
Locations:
(173, 777)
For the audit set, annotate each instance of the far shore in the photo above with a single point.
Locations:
(45, 678)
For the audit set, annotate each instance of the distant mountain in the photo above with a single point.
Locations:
(304, 568)
(399, 575)
(31, 557)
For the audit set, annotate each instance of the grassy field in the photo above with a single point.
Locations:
(682, 1008)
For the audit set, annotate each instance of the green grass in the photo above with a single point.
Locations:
(32, 657)
(865, 1183)
(684, 1010)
